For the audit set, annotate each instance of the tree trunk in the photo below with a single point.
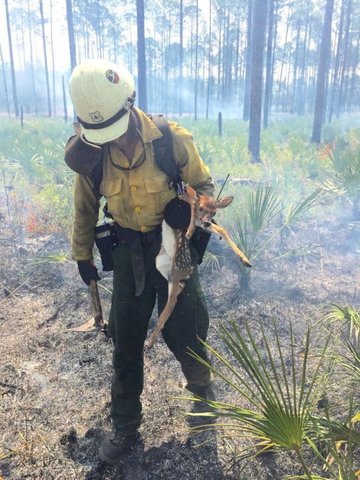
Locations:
(248, 62)
(325, 49)
(296, 68)
(237, 60)
(52, 60)
(335, 86)
(279, 90)
(219, 54)
(227, 60)
(166, 69)
(32, 61)
(345, 60)
(354, 76)
(70, 25)
(269, 66)
(181, 59)
(12, 66)
(209, 66)
(309, 84)
(223, 55)
(140, 22)
(287, 85)
(301, 97)
(23, 41)
(257, 64)
(64, 99)
(45, 57)
(5, 83)
(196, 61)
(98, 30)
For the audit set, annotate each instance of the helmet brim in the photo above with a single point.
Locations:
(107, 134)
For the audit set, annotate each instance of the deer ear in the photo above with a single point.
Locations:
(191, 191)
(224, 202)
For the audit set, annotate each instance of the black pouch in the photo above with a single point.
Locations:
(199, 241)
(106, 241)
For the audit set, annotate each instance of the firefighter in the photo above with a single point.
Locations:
(137, 192)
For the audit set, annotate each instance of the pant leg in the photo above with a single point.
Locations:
(129, 318)
(188, 322)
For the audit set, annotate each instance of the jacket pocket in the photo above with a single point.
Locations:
(157, 184)
(110, 187)
(159, 193)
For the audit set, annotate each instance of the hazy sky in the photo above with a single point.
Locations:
(60, 35)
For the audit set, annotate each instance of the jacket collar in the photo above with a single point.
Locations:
(148, 129)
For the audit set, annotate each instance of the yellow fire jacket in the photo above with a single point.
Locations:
(138, 193)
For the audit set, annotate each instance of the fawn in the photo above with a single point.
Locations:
(174, 259)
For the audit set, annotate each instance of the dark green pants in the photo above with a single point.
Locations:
(129, 319)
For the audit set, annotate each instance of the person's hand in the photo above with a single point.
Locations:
(87, 271)
(177, 214)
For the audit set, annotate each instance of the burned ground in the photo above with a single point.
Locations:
(55, 385)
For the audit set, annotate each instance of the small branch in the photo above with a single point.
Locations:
(50, 319)
(11, 293)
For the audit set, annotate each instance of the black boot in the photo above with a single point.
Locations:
(201, 406)
(117, 444)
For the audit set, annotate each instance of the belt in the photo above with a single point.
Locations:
(135, 240)
(127, 236)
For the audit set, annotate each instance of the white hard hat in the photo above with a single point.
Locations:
(102, 94)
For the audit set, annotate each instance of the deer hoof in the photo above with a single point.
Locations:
(148, 345)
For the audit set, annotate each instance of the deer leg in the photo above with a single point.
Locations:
(175, 288)
(223, 233)
(174, 263)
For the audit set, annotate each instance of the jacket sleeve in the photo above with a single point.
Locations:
(192, 168)
(86, 203)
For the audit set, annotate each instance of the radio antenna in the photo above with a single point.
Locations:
(223, 185)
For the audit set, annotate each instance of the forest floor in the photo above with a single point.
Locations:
(55, 384)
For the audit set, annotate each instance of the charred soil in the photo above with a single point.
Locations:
(55, 384)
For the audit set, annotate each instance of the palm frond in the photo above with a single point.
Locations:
(342, 439)
(304, 477)
(297, 211)
(260, 207)
(59, 257)
(211, 262)
(344, 176)
(242, 236)
(352, 363)
(281, 394)
(347, 315)
(263, 205)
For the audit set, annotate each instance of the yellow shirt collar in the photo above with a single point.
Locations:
(148, 129)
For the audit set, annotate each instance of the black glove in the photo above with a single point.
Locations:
(87, 271)
(177, 214)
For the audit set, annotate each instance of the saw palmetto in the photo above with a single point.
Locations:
(279, 393)
(344, 174)
(296, 211)
(263, 219)
(250, 231)
(351, 362)
(342, 439)
(347, 316)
